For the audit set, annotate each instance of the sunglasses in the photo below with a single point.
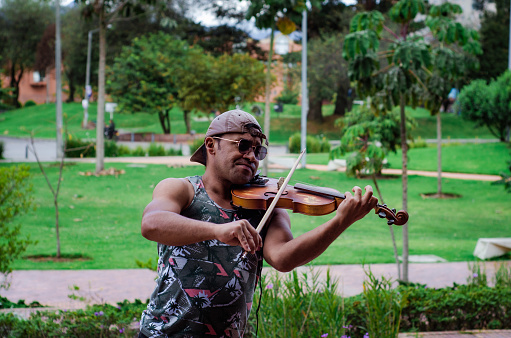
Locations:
(244, 147)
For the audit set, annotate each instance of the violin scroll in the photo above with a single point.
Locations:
(399, 218)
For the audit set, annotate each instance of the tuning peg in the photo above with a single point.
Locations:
(382, 214)
(390, 222)
(393, 210)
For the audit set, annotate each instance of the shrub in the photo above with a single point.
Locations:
(30, 103)
(95, 321)
(156, 150)
(288, 96)
(111, 149)
(313, 144)
(78, 148)
(138, 151)
(15, 200)
(174, 152)
(123, 150)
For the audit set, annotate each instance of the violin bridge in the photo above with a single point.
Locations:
(280, 182)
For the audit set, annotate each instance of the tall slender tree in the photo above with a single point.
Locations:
(395, 82)
(107, 12)
(454, 51)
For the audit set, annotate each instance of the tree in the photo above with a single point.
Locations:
(236, 78)
(394, 83)
(367, 139)
(22, 23)
(45, 55)
(107, 12)
(327, 73)
(332, 18)
(143, 77)
(15, 200)
(453, 53)
(158, 71)
(494, 42)
(489, 105)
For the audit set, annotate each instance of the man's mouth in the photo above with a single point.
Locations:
(247, 165)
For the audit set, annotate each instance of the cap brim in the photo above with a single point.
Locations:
(198, 155)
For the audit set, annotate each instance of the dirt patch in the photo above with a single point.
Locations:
(61, 259)
(104, 172)
(440, 196)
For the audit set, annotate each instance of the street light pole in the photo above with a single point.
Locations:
(58, 89)
(88, 89)
(305, 99)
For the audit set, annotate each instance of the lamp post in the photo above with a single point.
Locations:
(58, 89)
(305, 99)
(88, 89)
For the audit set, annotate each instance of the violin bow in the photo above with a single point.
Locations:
(279, 193)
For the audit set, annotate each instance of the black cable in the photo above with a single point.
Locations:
(259, 304)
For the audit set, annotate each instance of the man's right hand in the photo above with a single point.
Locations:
(240, 233)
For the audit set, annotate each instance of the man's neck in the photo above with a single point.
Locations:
(217, 189)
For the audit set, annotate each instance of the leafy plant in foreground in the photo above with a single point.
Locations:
(15, 200)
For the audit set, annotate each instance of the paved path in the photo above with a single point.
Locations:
(53, 287)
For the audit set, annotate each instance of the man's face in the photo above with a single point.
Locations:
(239, 167)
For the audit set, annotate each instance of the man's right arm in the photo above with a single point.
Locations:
(162, 221)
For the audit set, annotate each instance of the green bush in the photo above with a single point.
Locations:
(156, 150)
(288, 96)
(78, 148)
(95, 321)
(30, 103)
(313, 144)
(138, 151)
(111, 149)
(15, 200)
(174, 152)
(123, 150)
(419, 143)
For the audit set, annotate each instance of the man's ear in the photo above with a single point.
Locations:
(209, 142)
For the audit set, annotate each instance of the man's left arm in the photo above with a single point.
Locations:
(285, 253)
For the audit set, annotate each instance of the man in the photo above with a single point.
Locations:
(205, 280)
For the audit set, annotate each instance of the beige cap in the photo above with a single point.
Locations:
(232, 121)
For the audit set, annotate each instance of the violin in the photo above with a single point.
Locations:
(301, 198)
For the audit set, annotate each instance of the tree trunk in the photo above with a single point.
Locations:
(439, 152)
(56, 203)
(47, 77)
(72, 89)
(342, 103)
(404, 147)
(100, 120)
(164, 121)
(15, 83)
(394, 245)
(267, 95)
(315, 105)
(186, 114)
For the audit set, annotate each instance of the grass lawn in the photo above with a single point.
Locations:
(470, 158)
(100, 217)
(41, 120)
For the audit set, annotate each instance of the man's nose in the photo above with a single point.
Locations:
(251, 154)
